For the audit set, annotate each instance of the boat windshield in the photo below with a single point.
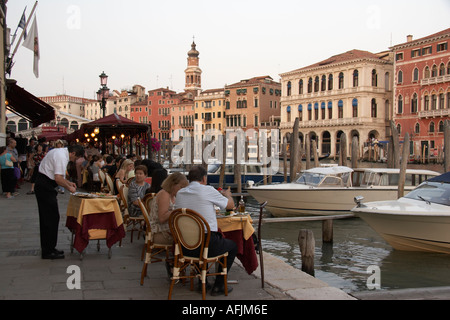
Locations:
(434, 192)
(310, 178)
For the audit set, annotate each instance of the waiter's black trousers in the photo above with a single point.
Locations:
(48, 212)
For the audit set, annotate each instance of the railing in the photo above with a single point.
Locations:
(434, 113)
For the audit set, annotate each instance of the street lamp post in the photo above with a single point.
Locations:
(102, 96)
(103, 92)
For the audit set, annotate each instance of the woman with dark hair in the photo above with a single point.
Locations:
(158, 176)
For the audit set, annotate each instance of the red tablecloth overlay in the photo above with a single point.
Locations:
(246, 250)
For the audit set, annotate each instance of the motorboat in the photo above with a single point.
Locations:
(249, 172)
(419, 221)
(330, 190)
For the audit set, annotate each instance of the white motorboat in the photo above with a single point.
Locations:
(330, 190)
(419, 221)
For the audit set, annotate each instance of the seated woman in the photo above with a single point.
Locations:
(95, 166)
(163, 205)
(124, 171)
(136, 191)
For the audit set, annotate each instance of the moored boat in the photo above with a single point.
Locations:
(330, 190)
(419, 221)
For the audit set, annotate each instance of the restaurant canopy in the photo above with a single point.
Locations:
(23, 103)
(115, 124)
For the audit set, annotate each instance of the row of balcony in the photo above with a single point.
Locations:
(434, 113)
(339, 92)
(435, 80)
(334, 123)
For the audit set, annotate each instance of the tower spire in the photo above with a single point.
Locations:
(193, 71)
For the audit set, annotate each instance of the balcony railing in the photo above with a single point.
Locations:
(434, 113)
(333, 123)
(435, 80)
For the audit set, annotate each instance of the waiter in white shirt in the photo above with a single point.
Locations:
(52, 173)
(202, 198)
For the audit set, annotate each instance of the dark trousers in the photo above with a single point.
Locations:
(217, 246)
(48, 212)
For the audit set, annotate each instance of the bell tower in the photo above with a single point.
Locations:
(193, 72)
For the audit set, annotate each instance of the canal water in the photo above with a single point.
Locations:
(348, 262)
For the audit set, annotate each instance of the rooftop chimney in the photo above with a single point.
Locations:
(409, 38)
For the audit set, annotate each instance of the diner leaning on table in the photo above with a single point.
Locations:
(202, 198)
(136, 191)
(162, 206)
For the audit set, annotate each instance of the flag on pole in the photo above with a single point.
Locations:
(32, 43)
(23, 23)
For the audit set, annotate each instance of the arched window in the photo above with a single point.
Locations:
(340, 109)
(434, 71)
(441, 126)
(74, 125)
(426, 102)
(373, 108)
(310, 82)
(414, 104)
(355, 108)
(417, 129)
(400, 77)
(289, 87)
(442, 69)
(426, 73)
(433, 102)
(374, 78)
(400, 104)
(355, 78)
(341, 80)
(11, 126)
(323, 84)
(316, 84)
(431, 126)
(300, 87)
(23, 124)
(416, 75)
(330, 82)
(399, 128)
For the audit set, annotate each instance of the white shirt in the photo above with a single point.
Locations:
(201, 198)
(55, 162)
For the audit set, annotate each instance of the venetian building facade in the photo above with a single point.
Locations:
(422, 92)
(349, 93)
(210, 110)
(253, 103)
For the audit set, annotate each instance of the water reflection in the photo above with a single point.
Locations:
(356, 247)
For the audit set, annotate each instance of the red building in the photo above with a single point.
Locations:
(422, 91)
(139, 111)
(160, 102)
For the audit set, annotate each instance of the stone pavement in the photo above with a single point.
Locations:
(25, 276)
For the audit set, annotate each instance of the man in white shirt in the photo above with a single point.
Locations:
(202, 198)
(52, 173)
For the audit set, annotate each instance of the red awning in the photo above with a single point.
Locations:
(51, 136)
(25, 104)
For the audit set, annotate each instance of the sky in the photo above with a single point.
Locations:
(146, 42)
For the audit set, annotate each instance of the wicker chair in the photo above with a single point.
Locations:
(152, 249)
(136, 223)
(188, 229)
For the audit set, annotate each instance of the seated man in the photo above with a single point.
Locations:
(201, 198)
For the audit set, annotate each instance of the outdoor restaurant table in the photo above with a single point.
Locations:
(239, 229)
(92, 218)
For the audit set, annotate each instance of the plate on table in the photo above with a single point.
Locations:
(84, 195)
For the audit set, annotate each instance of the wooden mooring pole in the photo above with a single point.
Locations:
(307, 247)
